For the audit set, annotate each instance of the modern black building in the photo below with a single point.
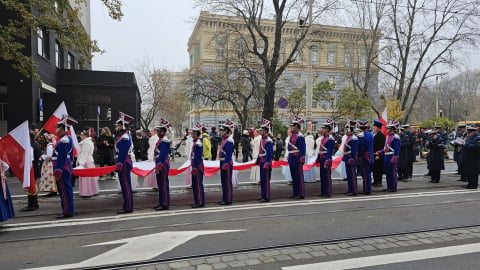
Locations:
(62, 78)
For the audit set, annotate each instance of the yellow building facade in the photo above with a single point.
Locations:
(334, 53)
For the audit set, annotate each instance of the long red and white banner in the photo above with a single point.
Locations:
(145, 168)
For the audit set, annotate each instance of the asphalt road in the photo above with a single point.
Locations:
(178, 238)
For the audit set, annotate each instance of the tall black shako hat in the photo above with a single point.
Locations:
(66, 122)
(123, 119)
(164, 125)
(297, 121)
(228, 126)
(266, 125)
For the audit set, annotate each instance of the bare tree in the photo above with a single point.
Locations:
(421, 38)
(263, 40)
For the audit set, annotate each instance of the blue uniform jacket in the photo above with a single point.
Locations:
(122, 146)
(392, 144)
(265, 154)
(197, 156)
(351, 145)
(62, 156)
(326, 147)
(226, 151)
(162, 150)
(297, 146)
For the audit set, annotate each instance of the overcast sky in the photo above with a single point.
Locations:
(155, 31)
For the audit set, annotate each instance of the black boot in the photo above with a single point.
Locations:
(32, 204)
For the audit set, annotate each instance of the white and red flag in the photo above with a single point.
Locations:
(384, 120)
(51, 125)
(57, 115)
(16, 151)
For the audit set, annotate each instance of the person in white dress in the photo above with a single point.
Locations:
(151, 179)
(310, 175)
(255, 171)
(285, 169)
(88, 186)
(188, 152)
(47, 180)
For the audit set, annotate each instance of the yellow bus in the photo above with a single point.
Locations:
(470, 123)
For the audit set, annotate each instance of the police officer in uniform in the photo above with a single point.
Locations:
(123, 164)
(378, 144)
(457, 147)
(470, 165)
(365, 154)
(62, 167)
(196, 158)
(410, 150)
(162, 165)
(391, 151)
(350, 149)
(325, 145)
(264, 160)
(435, 156)
(296, 158)
(226, 162)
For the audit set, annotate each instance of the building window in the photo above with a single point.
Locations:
(70, 61)
(363, 60)
(220, 47)
(331, 58)
(314, 56)
(296, 57)
(241, 49)
(260, 46)
(332, 80)
(348, 59)
(58, 55)
(314, 104)
(42, 43)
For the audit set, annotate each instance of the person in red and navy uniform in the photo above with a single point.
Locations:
(197, 167)
(162, 165)
(296, 158)
(365, 155)
(324, 158)
(62, 167)
(391, 151)
(264, 160)
(226, 162)
(350, 157)
(123, 164)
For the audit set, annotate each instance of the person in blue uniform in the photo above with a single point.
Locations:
(197, 167)
(365, 154)
(435, 158)
(296, 158)
(350, 149)
(6, 205)
(162, 165)
(62, 167)
(470, 164)
(390, 152)
(325, 152)
(264, 160)
(226, 162)
(123, 164)
(403, 157)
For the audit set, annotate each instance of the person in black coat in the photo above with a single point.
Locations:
(410, 150)
(470, 162)
(403, 157)
(435, 156)
(378, 144)
(105, 146)
(246, 146)
(140, 147)
(32, 197)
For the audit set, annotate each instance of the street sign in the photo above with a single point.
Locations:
(282, 103)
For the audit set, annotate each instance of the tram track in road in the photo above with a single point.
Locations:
(165, 226)
(277, 247)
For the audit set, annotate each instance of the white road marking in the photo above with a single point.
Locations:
(140, 248)
(390, 258)
(136, 216)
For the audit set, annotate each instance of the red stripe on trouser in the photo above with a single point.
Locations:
(394, 177)
(64, 196)
(354, 178)
(229, 186)
(364, 176)
(328, 172)
(199, 192)
(165, 186)
(300, 180)
(127, 189)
